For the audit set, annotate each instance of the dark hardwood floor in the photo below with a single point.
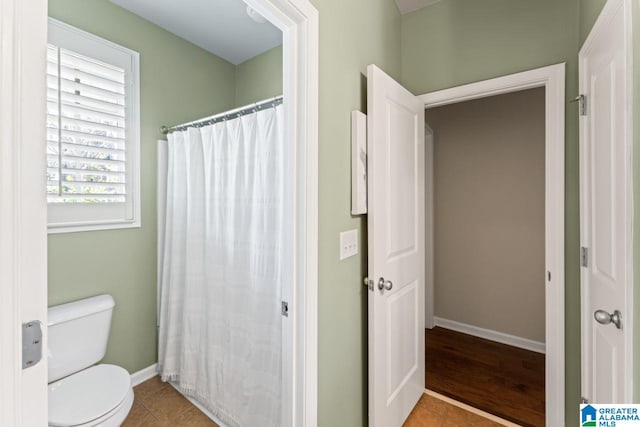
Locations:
(500, 379)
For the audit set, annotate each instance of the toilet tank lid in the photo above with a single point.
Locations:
(77, 309)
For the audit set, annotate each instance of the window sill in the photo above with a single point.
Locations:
(74, 228)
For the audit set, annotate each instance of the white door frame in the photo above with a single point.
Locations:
(552, 78)
(298, 21)
(23, 27)
(429, 277)
(23, 215)
(608, 13)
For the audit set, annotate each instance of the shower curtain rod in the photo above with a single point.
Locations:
(227, 115)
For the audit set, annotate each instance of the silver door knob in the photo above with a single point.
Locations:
(604, 318)
(385, 284)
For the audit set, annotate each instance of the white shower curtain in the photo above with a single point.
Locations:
(223, 261)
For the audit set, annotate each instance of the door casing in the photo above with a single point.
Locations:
(552, 78)
(23, 214)
(429, 279)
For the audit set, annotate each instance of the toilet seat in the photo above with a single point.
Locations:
(98, 396)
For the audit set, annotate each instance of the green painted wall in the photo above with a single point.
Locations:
(353, 34)
(589, 11)
(259, 78)
(179, 82)
(454, 42)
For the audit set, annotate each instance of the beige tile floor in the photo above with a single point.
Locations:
(433, 412)
(157, 404)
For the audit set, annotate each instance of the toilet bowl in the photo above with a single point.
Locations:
(97, 396)
(81, 393)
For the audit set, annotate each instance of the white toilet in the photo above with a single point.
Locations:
(81, 393)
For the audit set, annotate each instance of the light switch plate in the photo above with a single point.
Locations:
(348, 243)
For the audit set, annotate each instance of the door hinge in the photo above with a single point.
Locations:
(31, 343)
(582, 104)
(285, 308)
(584, 257)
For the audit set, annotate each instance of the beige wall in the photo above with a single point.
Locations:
(489, 162)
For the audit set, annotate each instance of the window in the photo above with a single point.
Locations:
(93, 132)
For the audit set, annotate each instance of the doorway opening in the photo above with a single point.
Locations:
(539, 348)
(487, 346)
(212, 78)
(94, 87)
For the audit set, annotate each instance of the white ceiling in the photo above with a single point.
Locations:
(407, 6)
(221, 27)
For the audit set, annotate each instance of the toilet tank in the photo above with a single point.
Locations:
(78, 335)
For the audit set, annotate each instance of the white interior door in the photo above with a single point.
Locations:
(396, 227)
(23, 210)
(606, 210)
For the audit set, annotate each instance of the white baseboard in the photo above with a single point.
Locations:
(488, 334)
(144, 374)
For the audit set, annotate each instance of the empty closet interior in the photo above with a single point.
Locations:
(486, 348)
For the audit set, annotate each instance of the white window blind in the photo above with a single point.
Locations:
(86, 156)
(93, 132)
